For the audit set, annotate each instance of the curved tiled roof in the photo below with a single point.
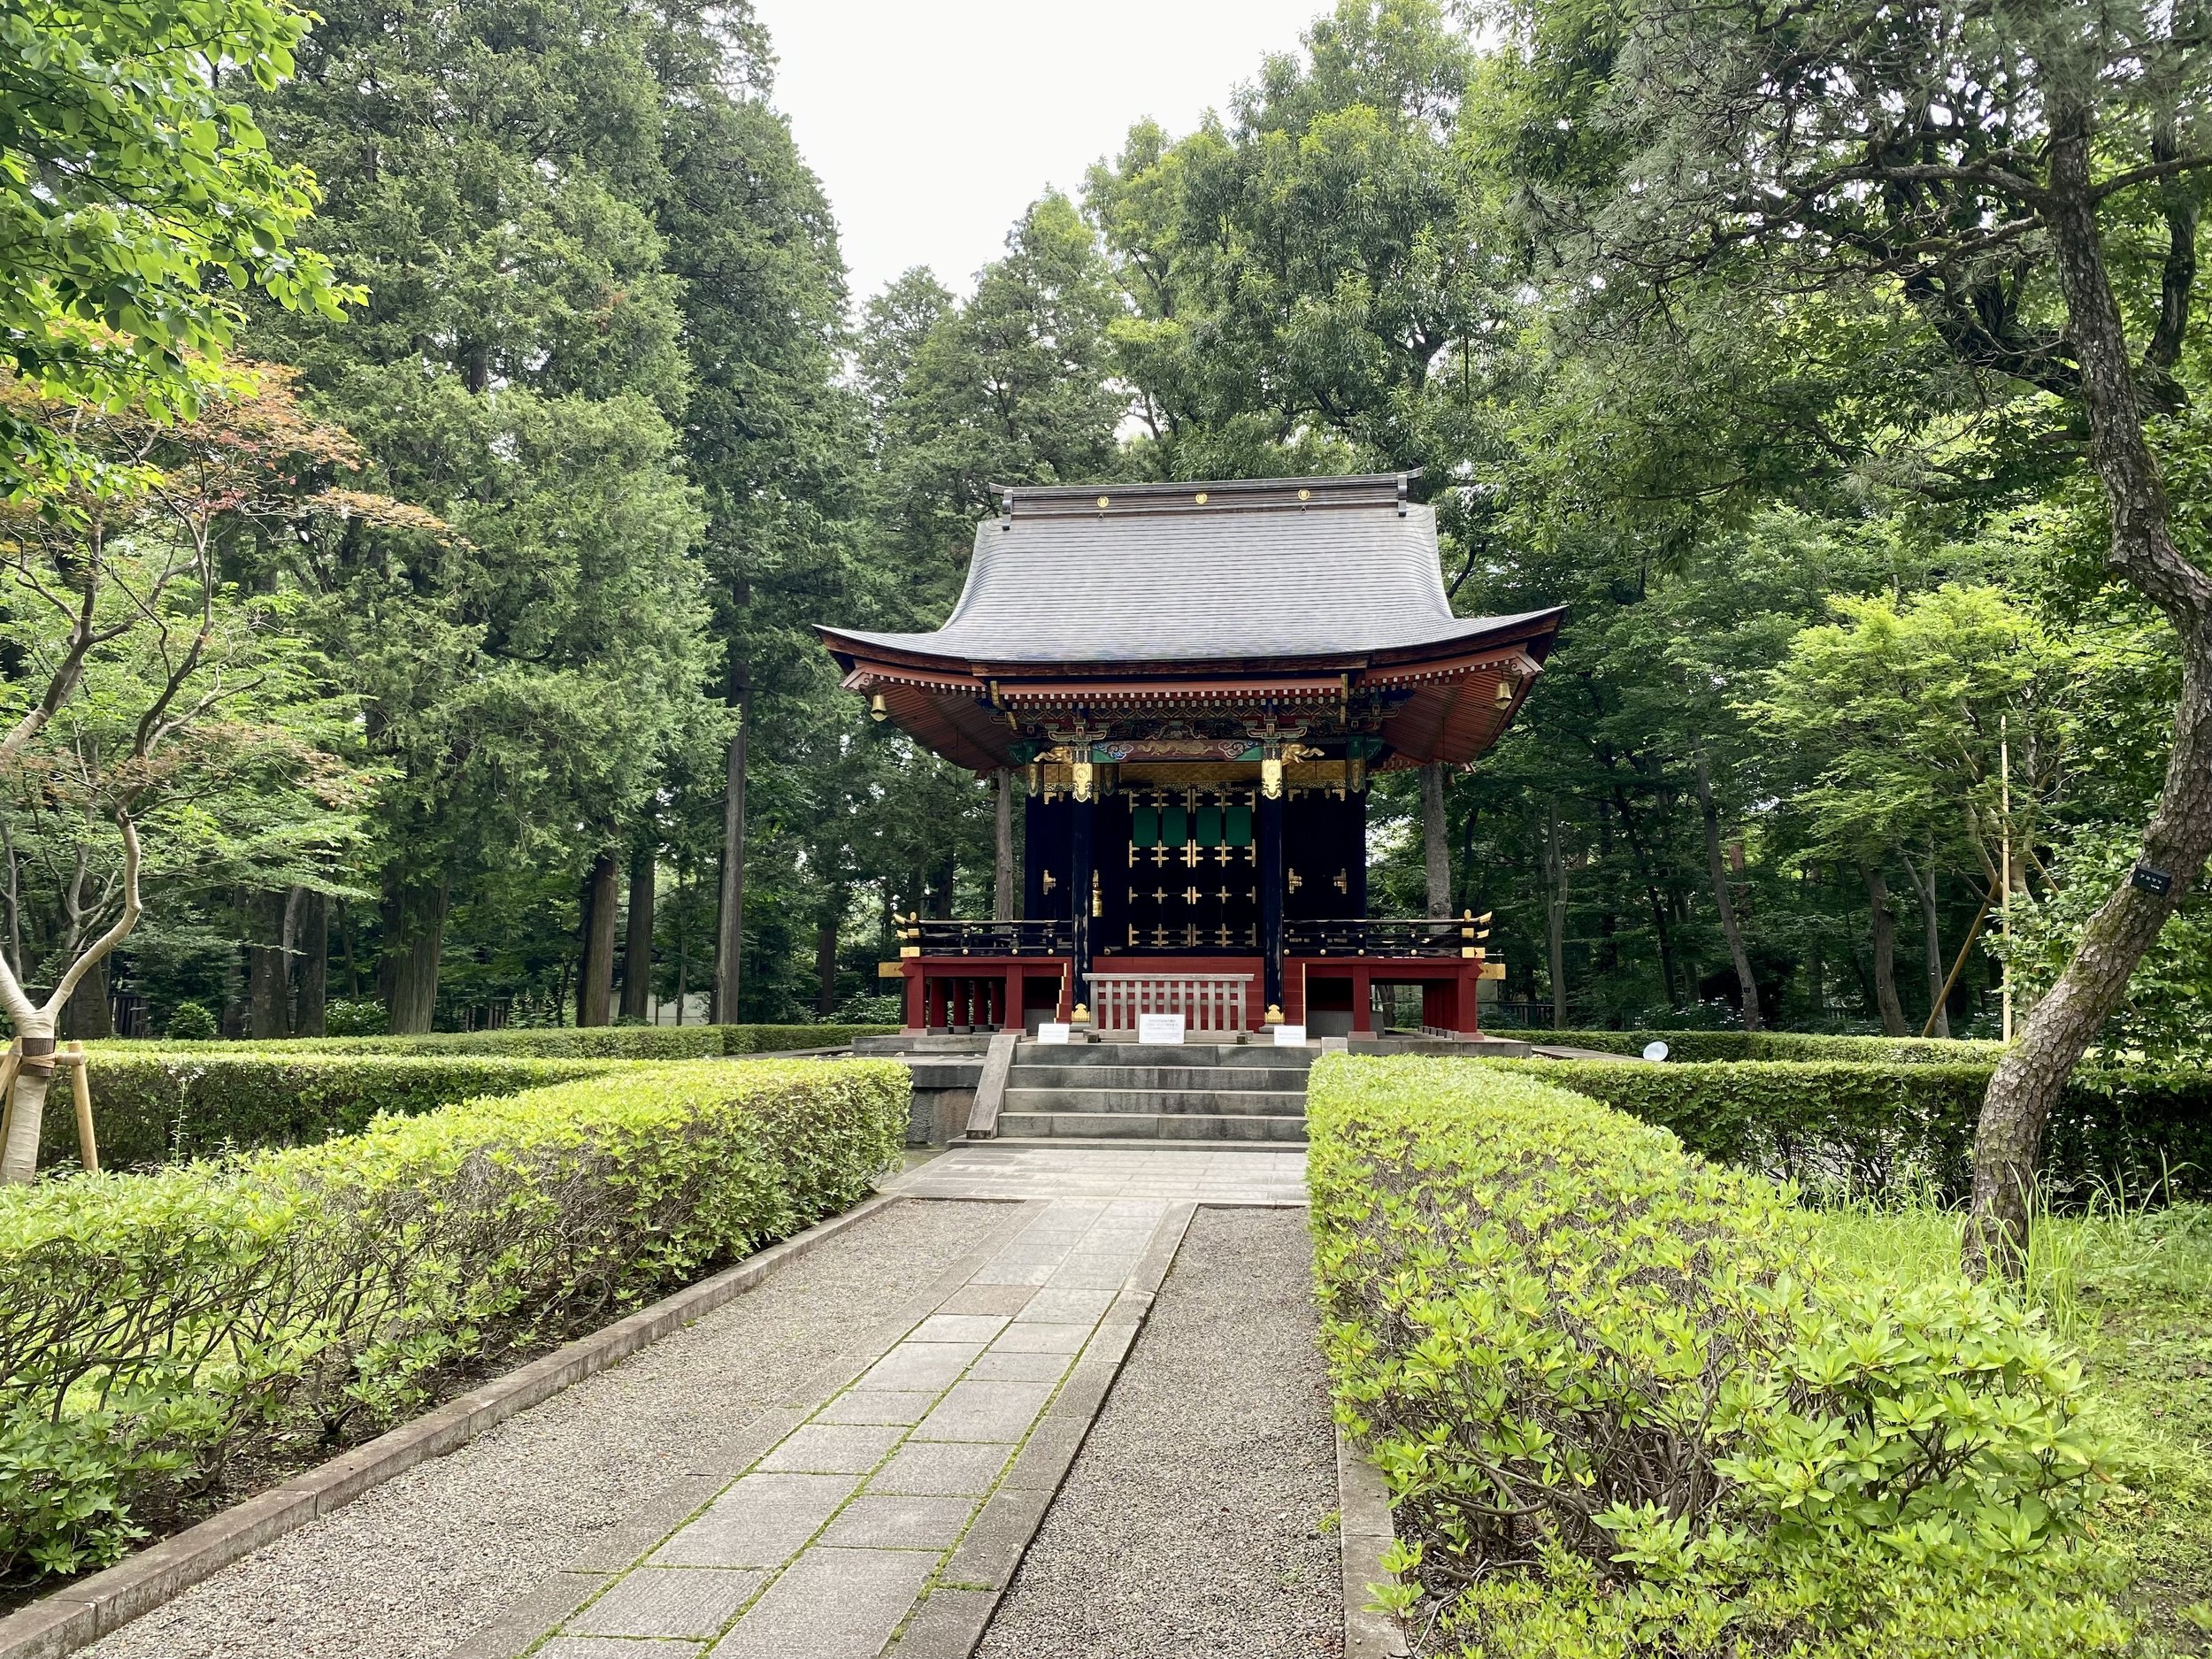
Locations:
(1273, 568)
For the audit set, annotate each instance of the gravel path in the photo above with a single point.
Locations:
(411, 1568)
(1192, 1523)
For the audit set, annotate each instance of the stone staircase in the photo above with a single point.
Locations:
(1121, 1091)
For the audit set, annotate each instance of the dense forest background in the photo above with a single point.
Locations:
(520, 554)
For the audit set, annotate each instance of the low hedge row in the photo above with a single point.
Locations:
(610, 1042)
(1622, 1408)
(153, 1106)
(1877, 1129)
(1696, 1045)
(157, 1329)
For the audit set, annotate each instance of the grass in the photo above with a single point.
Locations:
(2129, 1287)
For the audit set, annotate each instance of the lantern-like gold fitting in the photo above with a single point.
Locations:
(876, 709)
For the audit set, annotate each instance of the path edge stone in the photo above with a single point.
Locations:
(1365, 1531)
(74, 1615)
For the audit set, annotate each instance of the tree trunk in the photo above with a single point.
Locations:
(637, 943)
(267, 970)
(2031, 1076)
(27, 1112)
(1724, 900)
(825, 931)
(312, 952)
(1002, 864)
(1556, 913)
(683, 938)
(1436, 839)
(87, 1016)
(1884, 954)
(1927, 889)
(414, 931)
(729, 936)
(595, 974)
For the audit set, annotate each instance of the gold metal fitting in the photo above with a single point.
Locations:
(1084, 772)
(1272, 779)
(876, 709)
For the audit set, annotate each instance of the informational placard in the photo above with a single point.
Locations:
(1052, 1031)
(1290, 1036)
(1159, 1028)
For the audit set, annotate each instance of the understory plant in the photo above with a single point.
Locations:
(1623, 1406)
(158, 1331)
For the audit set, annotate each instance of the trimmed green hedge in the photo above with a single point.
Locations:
(1696, 1045)
(605, 1042)
(157, 1329)
(1624, 1409)
(161, 1105)
(1891, 1129)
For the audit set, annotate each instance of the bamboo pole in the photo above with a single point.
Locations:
(2004, 768)
(10, 1064)
(80, 1086)
(1972, 934)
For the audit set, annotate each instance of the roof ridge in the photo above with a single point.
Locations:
(1379, 490)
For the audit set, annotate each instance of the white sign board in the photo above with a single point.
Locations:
(1052, 1031)
(1159, 1028)
(1290, 1036)
(1656, 1051)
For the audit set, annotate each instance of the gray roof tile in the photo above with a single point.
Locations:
(1165, 581)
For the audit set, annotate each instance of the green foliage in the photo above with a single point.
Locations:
(152, 1107)
(623, 1042)
(137, 199)
(166, 1326)
(190, 1022)
(1883, 1129)
(1617, 1388)
(1686, 1046)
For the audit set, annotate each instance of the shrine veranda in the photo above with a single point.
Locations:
(1196, 684)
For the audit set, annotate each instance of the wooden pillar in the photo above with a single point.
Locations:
(1362, 999)
(1079, 893)
(1271, 838)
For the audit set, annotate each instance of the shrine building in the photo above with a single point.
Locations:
(1197, 683)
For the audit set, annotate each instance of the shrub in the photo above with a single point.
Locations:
(612, 1043)
(155, 1329)
(1612, 1387)
(360, 1017)
(1895, 1128)
(191, 1022)
(160, 1106)
(1778, 1045)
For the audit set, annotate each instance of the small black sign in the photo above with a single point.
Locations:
(2156, 882)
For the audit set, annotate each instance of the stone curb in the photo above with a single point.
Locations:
(77, 1614)
(1364, 1532)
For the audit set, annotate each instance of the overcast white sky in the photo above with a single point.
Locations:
(933, 123)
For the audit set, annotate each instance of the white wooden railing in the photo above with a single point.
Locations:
(1207, 1002)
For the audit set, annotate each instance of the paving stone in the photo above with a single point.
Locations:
(1106, 1273)
(1051, 1447)
(610, 1648)
(943, 1468)
(997, 1367)
(1042, 1339)
(1066, 1305)
(906, 1406)
(833, 1448)
(930, 1365)
(986, 1411)
(833, 1604)
(668, 1601)
(993, 1548)
(1006, 1299)
(958, 1328)
(1017, 1272)
(899, 1522)
(946, 1625)
(758, 1522)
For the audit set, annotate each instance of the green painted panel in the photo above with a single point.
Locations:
(1240, 826)
(1208, 829)
(1174, 830)
(1144, 826)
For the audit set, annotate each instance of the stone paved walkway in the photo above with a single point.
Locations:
(886, 1519)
